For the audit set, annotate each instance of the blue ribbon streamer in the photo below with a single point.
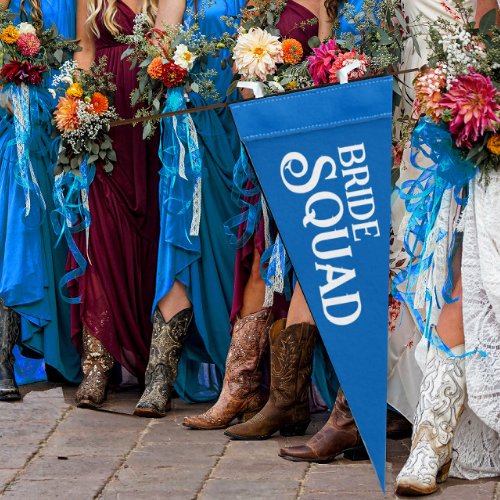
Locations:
(448, 169)
(249, 217)
(71, 216)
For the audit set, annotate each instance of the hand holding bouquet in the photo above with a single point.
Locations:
(459, 89)
(165, 58)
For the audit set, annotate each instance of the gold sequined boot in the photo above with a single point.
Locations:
(161, 373)
(97, 364)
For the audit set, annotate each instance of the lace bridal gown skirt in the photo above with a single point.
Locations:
(477, 440)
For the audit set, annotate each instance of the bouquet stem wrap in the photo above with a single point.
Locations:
(427, 281)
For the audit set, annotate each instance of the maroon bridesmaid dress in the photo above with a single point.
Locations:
(117, 290)
(289, 26)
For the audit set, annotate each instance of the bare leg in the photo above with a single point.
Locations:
(299, 310)
(255, 289)
(175, 301)
(450, 326)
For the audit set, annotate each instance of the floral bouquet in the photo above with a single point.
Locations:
(260, 53)
(459, 89)
(83, 115)
(165, 58)
(371, 47)
(30, 52)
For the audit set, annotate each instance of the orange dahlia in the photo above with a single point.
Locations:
(292, 51)
(100, 103)
(493, 144)
(9, 35)
(65, 114)
(155, 68)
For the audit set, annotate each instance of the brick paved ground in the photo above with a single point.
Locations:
(50, 449)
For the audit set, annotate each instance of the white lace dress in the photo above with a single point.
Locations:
(477, 440)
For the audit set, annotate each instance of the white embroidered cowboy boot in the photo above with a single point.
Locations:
(442, 398)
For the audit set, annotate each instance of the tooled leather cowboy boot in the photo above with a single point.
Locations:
(97, 364)
(442, 400)
(287, 409)
(161, 372)
(338, 436)
(9, 332)
(241, 392)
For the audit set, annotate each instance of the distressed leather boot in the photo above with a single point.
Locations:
(338, 436)
(9, 332)
(241, 392)
(97, 364)
(161, 372)
(287, 409)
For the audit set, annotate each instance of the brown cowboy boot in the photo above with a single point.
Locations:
(287, 409)
(241, 392)
(161, 372)
(97, 364)
(338, 436)
(9, 332)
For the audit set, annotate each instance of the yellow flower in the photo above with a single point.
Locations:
(292, 85)
(75, 90)
(493, 144)
(9, 35)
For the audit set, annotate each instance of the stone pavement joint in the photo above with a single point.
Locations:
(135, 445)
(37, 452)
(211, 471)
(302, 482)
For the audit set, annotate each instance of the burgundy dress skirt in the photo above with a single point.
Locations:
(291, 17)
(118, 287)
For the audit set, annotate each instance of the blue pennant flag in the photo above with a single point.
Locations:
(323, 159)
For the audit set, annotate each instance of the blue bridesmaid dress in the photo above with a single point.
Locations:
(204, 263)
(30, 262)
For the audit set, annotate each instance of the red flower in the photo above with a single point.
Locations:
(472, 99)
(23, 72)
(173, 74)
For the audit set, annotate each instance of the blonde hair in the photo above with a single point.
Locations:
(35, 11)
(107, 8)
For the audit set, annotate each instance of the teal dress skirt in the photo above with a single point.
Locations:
(30, 262)
(203, 262)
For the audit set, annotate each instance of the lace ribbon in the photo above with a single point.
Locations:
(72, 215)
(24, 104)
(275, 274)
(427, 200)
(179, 141)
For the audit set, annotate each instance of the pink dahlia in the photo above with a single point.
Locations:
(472, 100)
(28, 44)
(347, 58)
(321, 61)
